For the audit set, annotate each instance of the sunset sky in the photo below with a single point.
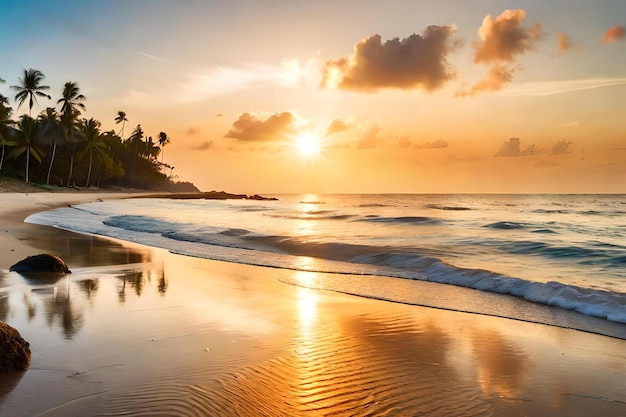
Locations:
(402, 96)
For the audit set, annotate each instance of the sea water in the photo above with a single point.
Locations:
(567, 251)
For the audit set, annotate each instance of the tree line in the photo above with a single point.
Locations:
(58, 147)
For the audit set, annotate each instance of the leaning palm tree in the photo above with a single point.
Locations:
(163, 140)
(30, 88)
(92, 142)
(52, 132)
(121, 118)
(27, 135)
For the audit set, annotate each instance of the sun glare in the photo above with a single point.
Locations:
(308, 145)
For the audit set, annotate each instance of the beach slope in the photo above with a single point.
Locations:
(136, 330)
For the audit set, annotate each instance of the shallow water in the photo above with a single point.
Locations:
(136, 331)
(557, 250)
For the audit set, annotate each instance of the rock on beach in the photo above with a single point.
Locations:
(14, 350)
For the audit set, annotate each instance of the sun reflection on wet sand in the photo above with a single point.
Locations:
(183, 336)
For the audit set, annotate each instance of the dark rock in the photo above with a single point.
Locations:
(14, 350)
(261, 198)
(41, 263)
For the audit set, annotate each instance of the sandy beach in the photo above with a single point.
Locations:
(139, 331)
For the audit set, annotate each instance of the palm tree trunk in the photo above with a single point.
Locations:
(89, 171)
(2, 158)
(69, 179)
(54, 150)
(27, 162)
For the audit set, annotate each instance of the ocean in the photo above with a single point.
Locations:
(549, 251)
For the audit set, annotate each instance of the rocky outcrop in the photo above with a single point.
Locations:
(212, 195)
(41, 263)
(14, 350)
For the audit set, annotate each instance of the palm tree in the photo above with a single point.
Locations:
(30, 88)
(90, 131)
(163, 140)
(5, 129)
(136, 144)
(71, 98)
(27, 135)
(70, 129)
(53, 132)
(152, 150)
(71, 106)
(121, 118)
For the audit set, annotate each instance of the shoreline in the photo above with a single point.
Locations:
(195, 335)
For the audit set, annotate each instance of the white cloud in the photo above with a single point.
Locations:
(547, 88)
(291, 73)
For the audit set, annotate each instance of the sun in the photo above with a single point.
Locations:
(308, 145)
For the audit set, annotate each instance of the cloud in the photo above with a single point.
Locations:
(404, 142)
(435, 144)
(206, 145)
(497, 77)
(502, 39)
(513, 147)
(249, 128)
(563, 44)
(192, 130)
(370, 138)
(560, 147)
(613, 34)
(154, 57)
(206, 83)
(419, 61)
(337, 126)
(545, 164)
(547, 88)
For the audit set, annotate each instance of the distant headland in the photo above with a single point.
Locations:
(212, 195)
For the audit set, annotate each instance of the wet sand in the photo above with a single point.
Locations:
(139, 331)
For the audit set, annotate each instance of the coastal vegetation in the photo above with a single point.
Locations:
(59, 147)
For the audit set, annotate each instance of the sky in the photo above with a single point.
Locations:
(395, 96)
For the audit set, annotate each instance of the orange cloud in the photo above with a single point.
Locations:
(337, 126)
(435, 144)
(370, 138)
(613, 34)
(192, 130)
(203, 146)
(561, 146)
(419, 61)
(513, 147)
(563, 43)
(496, 78)
(504, 37)
(249, 128)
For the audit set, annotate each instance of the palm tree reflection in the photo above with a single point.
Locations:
(137, 280)
(60, 306)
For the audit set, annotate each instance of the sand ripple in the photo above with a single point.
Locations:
(359, 367)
